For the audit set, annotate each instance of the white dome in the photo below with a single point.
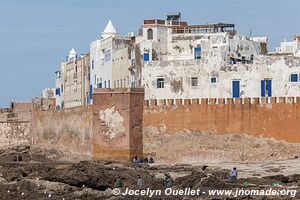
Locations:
(110, 30)
(72, 54)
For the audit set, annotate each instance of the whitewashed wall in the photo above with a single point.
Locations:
(178, 75)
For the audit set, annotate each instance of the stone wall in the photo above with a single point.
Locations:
(263, 117)
(109, 129)
(14, 134)
(15, 125)
(68, 129)
(117, 123)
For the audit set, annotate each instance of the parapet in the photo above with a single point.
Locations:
(220, 101)
(117, 90)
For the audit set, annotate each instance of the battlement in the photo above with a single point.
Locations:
(220, 101)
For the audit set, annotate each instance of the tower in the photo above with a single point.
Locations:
(109, 31)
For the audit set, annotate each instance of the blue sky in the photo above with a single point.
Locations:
(36, 34)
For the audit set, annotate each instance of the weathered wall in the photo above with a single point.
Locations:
(14, 134)
(70, 129)
(109, 129)
(15, 125)
(267, 117)
(117, 123)
(177, 76)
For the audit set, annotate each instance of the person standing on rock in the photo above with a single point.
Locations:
(140, 181)
(168, 181)
(118, 182)
(233, 174)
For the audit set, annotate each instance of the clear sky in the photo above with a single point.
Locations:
(36, 34)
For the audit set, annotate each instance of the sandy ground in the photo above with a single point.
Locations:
(208, 148)
(268, 168)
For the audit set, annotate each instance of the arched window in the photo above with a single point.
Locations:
(150, 34)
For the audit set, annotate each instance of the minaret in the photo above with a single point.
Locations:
(109, 31)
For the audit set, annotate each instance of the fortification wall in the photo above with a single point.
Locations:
(275, 117)
(68, 129)
(15, 126)
(109, 129)
(14, 134)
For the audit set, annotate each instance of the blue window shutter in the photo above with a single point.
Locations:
(294, 77)
(269, 88)
(263, 89)
(146, 57)
(91, 91)
(57, 92)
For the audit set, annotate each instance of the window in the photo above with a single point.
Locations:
(57, 91)
(294, 77)
(194, 81)
(118, 83)
(121, 83)
(93, 62)
(108, 83)
(107, 56)
(197, 52)
(150, 34)
(266, 88)
(104, 84)
(146, 57)
(62, 88)
(91, 92)
(213, 79)
(160, 83)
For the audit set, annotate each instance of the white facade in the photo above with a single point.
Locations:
(101, 58)
(289, 47)
(59, 80)
(282, 72)
(72, 84)
(110, 59)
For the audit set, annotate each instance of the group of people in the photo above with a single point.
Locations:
(137, 159)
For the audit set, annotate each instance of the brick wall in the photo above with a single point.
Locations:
(267, 117)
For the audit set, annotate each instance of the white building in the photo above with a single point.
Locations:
(72, 81)
(290, 47)
(111, 58)
(267, 76)
(181, 60)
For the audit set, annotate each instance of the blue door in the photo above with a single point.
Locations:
(266, 88)
(236, 89)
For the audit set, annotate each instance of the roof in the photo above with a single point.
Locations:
(73, 52)
(110, 28)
